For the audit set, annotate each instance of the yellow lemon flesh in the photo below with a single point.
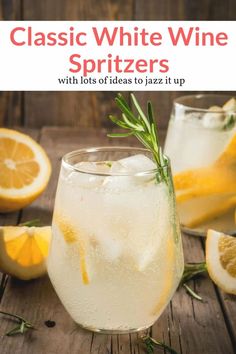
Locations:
(221, 260)
(216, 183)
(71, 236)
(25, 170)
(168, 278)
(23, 250)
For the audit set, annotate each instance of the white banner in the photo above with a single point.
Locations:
(117, 55)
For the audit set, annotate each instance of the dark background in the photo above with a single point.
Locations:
(90, 109)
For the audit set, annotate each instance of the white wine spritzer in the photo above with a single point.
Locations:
(116, 254)
(201, 142)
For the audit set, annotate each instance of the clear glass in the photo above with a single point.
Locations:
(199, 134)
(116, 254)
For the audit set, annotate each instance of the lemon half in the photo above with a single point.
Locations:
(221, 260)
(25, 170)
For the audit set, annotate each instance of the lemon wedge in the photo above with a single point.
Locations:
(221, 260)
(71, 235)
(25, 170)
(23, 250)
(197, 211)
(215, 181)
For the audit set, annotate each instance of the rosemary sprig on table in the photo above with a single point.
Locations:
(143, 127)
(22, 326)
(192, 270)
(153, 343)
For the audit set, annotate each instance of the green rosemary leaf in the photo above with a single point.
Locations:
(192, 270)
(152, 120)
(192, 292)
(125, 109)
(118, 122)
(30, 223)
(130, 124)
(15, 330)
(152, 343)
(122, 99)
(13, 315)
(140, 111)
(119, 135)
(142, 138)
(21, 328)
(150, 112)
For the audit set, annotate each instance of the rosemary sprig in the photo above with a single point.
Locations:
(22, 326)
(153, 343)
(143, 127)
(191, 270)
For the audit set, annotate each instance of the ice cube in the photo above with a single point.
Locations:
(143, 260)
(119, 183)
(94, 167)
(129, 165)
(152, 224)
(137, 163)
(85, 179)
(214, 118)
(111, 248)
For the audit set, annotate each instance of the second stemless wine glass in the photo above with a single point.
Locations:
(116, 254)
(201, 143)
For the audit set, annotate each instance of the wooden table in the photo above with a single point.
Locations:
(188, 325)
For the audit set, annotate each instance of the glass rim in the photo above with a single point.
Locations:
(82, 151)
(198, 96)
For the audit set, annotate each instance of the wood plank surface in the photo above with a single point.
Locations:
(191, 327)
(10, 10)
(83, 109)
(77, 10)
(229, 308)
(201, 10)
(11, 109)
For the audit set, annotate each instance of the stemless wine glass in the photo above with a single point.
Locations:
(116, 254)
(201, 142)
